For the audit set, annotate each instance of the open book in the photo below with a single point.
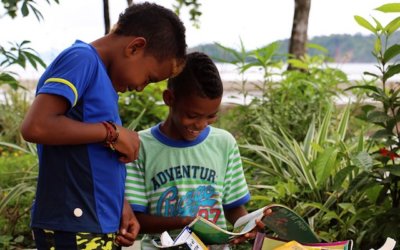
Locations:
(283, 221)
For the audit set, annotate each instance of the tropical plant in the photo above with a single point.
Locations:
(313, 176)
(14, 106)
(384, 113)
(292, 101)
(264, 59)
(17, 54)
(18, 167)
(239, 60)
(13, 7)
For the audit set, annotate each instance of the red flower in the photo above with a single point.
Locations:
(386, 153)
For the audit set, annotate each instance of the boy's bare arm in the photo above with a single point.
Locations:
(235, 213)
(46, 123)
(158, 224)
(129, 227)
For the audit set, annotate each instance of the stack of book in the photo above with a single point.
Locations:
(289, 230)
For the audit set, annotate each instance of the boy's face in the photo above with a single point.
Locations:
(137, 70)
(190, 115)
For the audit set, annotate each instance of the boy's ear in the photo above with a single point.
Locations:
(168, 97)
(136, 44)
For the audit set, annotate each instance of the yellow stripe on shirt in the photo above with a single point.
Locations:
(66, 82)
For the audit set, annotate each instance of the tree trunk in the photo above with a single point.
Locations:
(130, 2)
(106, 15)
(298, 39)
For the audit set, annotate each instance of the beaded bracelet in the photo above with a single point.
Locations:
(112, 134)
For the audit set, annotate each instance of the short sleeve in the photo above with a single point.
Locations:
(236, 192)
(135, 189)
(70, 74)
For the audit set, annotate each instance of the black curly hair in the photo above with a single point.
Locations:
(161, 27)
(199, 77)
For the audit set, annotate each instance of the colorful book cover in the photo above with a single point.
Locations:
(283, 221)
(288, 225)
(270, 243)
(210, 233)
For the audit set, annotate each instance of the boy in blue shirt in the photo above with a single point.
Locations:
(82, 147)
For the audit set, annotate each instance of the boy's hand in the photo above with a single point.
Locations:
(127, 145)
(252, 234)
(129, 227)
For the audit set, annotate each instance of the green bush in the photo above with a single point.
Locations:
(17, 186)
(317, 176)
(148, 105)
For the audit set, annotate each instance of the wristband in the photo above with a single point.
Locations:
(112, 134)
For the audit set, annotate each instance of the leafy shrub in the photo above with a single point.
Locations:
(382, 180)
(316, 176)
(148, 105)
(17, 186)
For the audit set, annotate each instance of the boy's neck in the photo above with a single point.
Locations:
(165, 128)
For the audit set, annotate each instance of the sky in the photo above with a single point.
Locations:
(255, 22)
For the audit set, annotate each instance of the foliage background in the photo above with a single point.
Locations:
(337, 166)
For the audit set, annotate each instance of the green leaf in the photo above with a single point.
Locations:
(391, 52)
(363, 160)
(371, 74)
(307, 142)
(324, 127)
(341, 176)
(135, 122)
(317, 47)
(324, 165)
(367, 87)
(389, 8)
(394, 170)
(383, 133)
(265, 53)
(7, 78)
(24, 9)
(377, 117)
(14, 193)
(364, 23)
(378, 24)
(392, 26)
(373, 191)
(296, 63)
(383, 194)
(358, 183)
(377, 46)
(392, 70)
(360, 144)
(348, 207)
(19, 239)
(344, 123)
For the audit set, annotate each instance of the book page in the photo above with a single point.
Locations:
(247, 222)
(166, 239)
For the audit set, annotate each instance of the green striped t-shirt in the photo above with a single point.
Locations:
(187, 178)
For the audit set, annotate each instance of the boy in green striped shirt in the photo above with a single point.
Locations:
(186, 168)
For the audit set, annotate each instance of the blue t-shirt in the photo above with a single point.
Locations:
(80, 187)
